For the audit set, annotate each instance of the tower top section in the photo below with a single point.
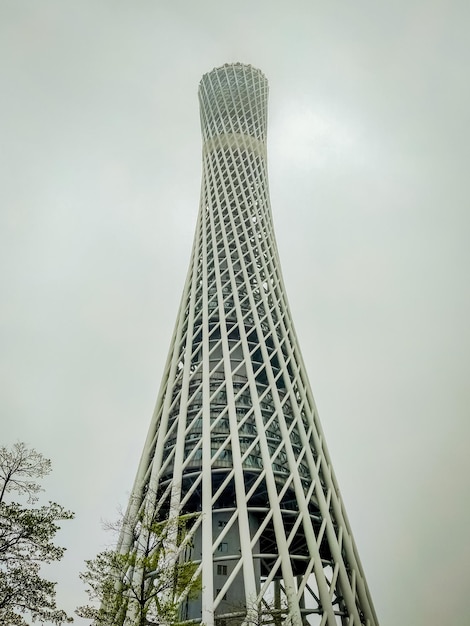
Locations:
(233, 101)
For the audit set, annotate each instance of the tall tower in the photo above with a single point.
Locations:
(235, 436)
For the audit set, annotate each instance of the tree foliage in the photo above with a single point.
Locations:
(148, 581)
(26, 539)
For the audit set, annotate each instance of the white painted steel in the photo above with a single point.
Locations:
(235, 434)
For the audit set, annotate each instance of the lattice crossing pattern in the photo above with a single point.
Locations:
(235, 434)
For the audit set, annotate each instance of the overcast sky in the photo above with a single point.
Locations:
(368, 143)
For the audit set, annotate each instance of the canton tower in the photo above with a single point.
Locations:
(235, 438)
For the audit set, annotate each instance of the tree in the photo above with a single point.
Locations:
(149, 581)
(26, 540)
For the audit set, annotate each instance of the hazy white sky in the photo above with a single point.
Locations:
(100, 166)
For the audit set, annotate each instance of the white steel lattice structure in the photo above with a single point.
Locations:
(235, 433)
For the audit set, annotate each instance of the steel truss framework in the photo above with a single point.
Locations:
(235, 434)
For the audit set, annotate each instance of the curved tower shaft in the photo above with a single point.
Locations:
(235, 435)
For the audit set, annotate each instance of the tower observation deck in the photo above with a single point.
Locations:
(235, 437)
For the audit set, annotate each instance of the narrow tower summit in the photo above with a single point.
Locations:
(235, 437)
